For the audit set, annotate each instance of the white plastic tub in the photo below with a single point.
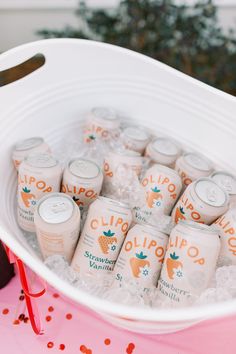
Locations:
(50, 102)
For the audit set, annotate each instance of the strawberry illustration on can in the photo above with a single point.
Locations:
(172, 263)
(27, 196)
(179, 214)
(137, 262)
(153, 196)
(106, 240)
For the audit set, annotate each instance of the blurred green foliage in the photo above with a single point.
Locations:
(186, 38)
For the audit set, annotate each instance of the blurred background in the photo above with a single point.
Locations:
(196, 37)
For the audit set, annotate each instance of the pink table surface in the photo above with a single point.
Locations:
(75, 327)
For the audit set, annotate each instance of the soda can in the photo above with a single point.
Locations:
(26, 147)
(226, 226)
(162, 186)
(190, 262)
(203, 201)
(57, 223)
(163, 151)
(104, 232)
(82, 180)
(228, 182)
(142, 255)
(192, 166)
(130, 158)
(135, 138)
(102, 122)
(39, 174)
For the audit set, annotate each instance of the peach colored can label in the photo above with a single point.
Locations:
(142, 255)
(102, 237)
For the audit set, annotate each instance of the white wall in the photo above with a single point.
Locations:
(20, 19)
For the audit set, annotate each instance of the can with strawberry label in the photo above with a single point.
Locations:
(114, 159)
(39, 174)
(135, 138)
(228, 182)
(57, 223)
(82, 180)
(163, 151)
(203, 201)
(104, 232)
(142, 255)
(190, 262)
(28, 146)
(103, 123)
(162, 186)
(192, 166)
(226, 226)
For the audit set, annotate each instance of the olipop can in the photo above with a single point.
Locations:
(190, 262)
(163, 151)
(26, 147)
(228, 182)
(133, 159)
(142, 255)
(57, 223)
(162, 186)
(203, 201)
(135, 138)
(102, 122)
(39, 174)
(103, 234)
(226, 226)
(192, 166)
(82, 180)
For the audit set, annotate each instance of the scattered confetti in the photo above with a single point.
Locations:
(16, 322)
(50, 344)
(51, 309)
(5, 311)
(55, 295)
(22, 298)
(21, 317)
(62, 346)
(48, 318)
(130, 348)
(68, 316)
(107, 341)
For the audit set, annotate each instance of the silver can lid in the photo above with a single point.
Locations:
(84, 168)
(210, 192)
(225, 180)
(136, 133)
(41, 160)
(197, 226)
(56, 208)
(28, 144)
(165, 146)
(104, 113)
(197, 161)
(114, 202)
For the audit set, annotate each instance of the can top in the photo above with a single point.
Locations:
(84, 168)
(165, 146)
(30, 143)
(197, 226)
(197, 161)
(152, 227)
(136, 133)
(225, 180)
(56, 208)
(126, 153)
(210, 192)
(166, 170)
(104, 113)
(114, 202)
(41, 160)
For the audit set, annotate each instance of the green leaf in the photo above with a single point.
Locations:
(108, 233)
(26, 190)
(182, 210)
(140, 255)
(155, 190)
(173, 256)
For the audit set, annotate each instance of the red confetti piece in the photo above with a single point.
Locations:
(22, 298)
(107, 341)
(62, 346)
(51, 309)
(68, 316)
(50, 344)
(56, 295)
(5, 311)
(16, 322)
(48, 318)
(85, 350)
(130, 348)
(26, 319)
(21, 317)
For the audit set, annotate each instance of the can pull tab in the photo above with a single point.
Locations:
(211, 195)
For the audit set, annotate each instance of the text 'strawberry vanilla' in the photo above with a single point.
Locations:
(26, 147)
(135, 138)
(190, 262)
(82, 180)
(101, 123)
(142, 255)
(226, 226)
(163, 151)
(162, 186)
(104, 232)
(192, 166)
(228, 182)
(133, 159)
(203, 201)
(57, 223)
(39, 174)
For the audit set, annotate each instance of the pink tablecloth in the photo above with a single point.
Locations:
(70, 329)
